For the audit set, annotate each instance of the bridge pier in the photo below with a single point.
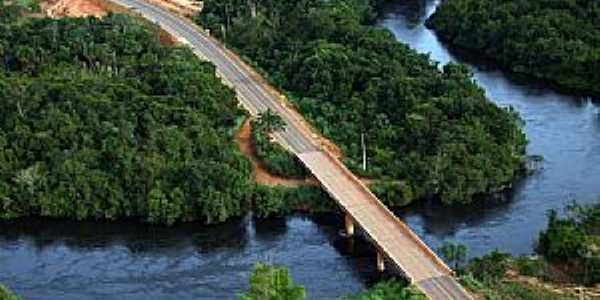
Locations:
(349, 225)
(380, 261)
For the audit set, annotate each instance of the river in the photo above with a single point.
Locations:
(126, 260)
(564, 129)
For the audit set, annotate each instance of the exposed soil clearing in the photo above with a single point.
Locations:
(94, 8)
(76, 8)
(262, 176)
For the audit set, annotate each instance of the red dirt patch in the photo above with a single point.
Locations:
(166, 39)
(261, 174)
(76, 8)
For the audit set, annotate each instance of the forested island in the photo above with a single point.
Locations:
(554, 40)
(428, 132)
(101, 121)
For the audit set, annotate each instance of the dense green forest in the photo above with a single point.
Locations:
(433, 130)
(574, 241)
(555, 40)
(100, 121)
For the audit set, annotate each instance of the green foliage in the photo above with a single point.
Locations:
(31, 5)
(432, 129)
(393, 193)
(454, 253)
(490, 267)
(574, 240)
(562, 240)
(507, 290)
(534, 267)
(5, 294)
(279, 200)
(9, 13)
(100, 121)
(272, 283)
(514, 290)
(271, 201)
(269, 122)
(485, 277)
(556, 40)
(276, 159)
(471, 283)
(390, 290)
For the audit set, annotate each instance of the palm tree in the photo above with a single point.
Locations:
(454, 253)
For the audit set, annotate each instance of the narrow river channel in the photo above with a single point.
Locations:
(74, 260)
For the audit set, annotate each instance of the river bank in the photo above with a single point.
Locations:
(564, 129)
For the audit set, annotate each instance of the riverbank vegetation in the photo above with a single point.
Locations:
(555, 40)
(275, 283)
(433, 130)
(272, 283)
(279, 201)
(569, 260)
(573, 241)
(389, 290)
(487, 277)
(100, 121)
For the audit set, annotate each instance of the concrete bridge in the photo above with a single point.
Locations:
(396, 244)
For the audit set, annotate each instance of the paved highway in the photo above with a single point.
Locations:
(393, 238)
(254, 95)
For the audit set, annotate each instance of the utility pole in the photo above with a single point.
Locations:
(364, 151)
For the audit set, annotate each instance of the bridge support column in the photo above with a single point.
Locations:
(380, 261)
(349, 225)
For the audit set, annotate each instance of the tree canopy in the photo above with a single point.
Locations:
(101, 121)
(574, 240)
(555, 40)
(389, 290)
(272, 283)
(433, 129)
(5, 294)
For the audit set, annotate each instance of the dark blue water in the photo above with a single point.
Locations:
(79, 261)
(74, 260)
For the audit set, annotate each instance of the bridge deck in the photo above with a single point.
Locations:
(392, 237)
